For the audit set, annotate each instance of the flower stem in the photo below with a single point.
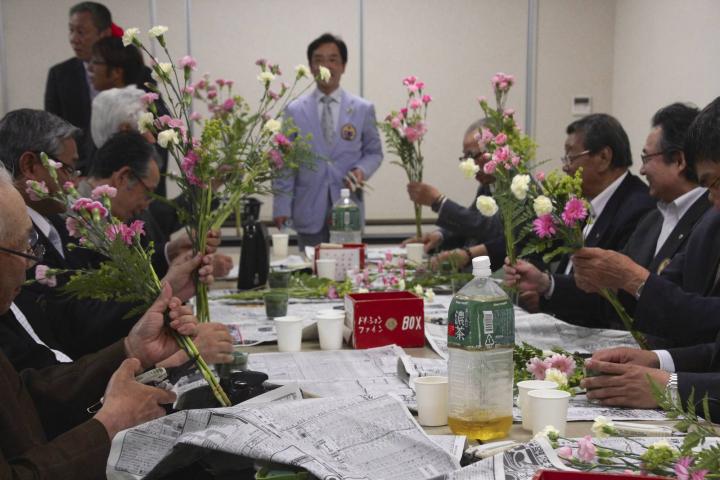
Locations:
(627, 320)
(418, 220)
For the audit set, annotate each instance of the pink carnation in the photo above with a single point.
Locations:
(332, 292)
(276, 158)
(54, 164)
(211, 94)
(540, 176)
(195, 116)
(409, 80)
(98, 192)
(170, 122)
(150, 97)
(509, 112)
(395, 122)
(537, 366)
(544, 226)
(388, 256)
(42, 277)
(411, 134)
(565, 452)
(228, 105)
(201, 84)
(562, 362)
(72, 226)
(68, 186)
(138, 227)
(489, 167)
(188, 62)
(502, 82)
(188, 89)
(586, 450)
(574, 211)
(682, 468)
(404, 112)
(416, 103)
(281, 140)
(412, 88)
(36, 189)
(188, 165)
(426, 99)
(501, 138)
(121, 230)
(229, 83)
(261, 62)
(420, 85)
(501, 155)
(273, 95)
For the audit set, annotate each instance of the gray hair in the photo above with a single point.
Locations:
(6, 182)
(27, 130)
(476, 126)
(113, 108)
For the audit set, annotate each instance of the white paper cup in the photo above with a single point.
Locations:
(523, 388)
(326, 268)
(548, 407)
(432, 401)
(415, 252)
(289, 333)
(280, 245)
(330, 329)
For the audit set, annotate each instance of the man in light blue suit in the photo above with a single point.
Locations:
(345, 141)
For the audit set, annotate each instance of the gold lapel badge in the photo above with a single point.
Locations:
(348, 132)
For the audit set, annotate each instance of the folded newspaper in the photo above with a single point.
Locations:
(360, 437)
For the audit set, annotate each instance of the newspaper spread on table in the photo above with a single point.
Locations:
(337, 373)
(341, 438)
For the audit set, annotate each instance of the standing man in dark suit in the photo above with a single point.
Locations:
(462, 229)
(69, 90)
(660, 235)
(618, 200)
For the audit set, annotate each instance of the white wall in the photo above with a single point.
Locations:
(631, 56)
(665, 51)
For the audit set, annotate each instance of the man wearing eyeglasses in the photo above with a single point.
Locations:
(58, 396)
(463, 231)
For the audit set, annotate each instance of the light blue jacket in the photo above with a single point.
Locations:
(308, 195)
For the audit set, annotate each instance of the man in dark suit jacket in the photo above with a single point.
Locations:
(697, 367)
(68, 91)
(462, 229)
(618, 200)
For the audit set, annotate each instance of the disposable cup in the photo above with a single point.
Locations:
(415, 252)
(289, 333)
(326, 268)
(330, 329)
(280, 245)
(276, 303)
(548, 407)
(279, 278)
(432, 401)
(523, 388)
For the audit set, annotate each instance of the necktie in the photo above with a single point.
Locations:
(326, 120)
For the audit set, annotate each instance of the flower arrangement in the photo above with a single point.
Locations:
(126, 274)
(556, 365)
(691, 459)
(240, 150)
(508, 155)
(404, 133)
(561, 215)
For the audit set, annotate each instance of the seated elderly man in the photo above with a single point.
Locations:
(35, 401)
(463, 231)
(661, 235)
(663, 303)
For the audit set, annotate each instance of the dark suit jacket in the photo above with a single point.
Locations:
(683, 302)
(611, 231)
(55, 399)
(464, 227)
(67, 95)
(20, 348)
(575, 306)
(698, 370)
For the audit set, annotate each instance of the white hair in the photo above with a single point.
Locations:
(113, 108)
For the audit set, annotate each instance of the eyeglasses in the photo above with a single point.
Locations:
(473, 155)
(34, 251)
(68, 170)
(712, 185)
(149, 192)
(568, 159)
(645, 157)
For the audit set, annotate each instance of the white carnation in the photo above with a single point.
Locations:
(302, 71)
(325, 74)
(130, 36)
(486, 205)
(157, 31)
(418, 289)
(167, 137)
(555, 375)
(602, 426)
(519, 186)
(430, 295)
(145, 122)
(468, 168)
(272, 126)
(548, 432)
(162, 71)
(542, 205)
(266, 77)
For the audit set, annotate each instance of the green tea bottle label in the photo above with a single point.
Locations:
(481, 325)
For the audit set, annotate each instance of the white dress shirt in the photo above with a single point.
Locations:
(672, 213)
(22, 320)
(666, 360)
(47, 229)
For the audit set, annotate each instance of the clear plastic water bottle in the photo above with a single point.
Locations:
(481, 336)
(345, 226)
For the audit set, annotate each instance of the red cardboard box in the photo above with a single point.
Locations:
(348, 256)
(384, 318)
